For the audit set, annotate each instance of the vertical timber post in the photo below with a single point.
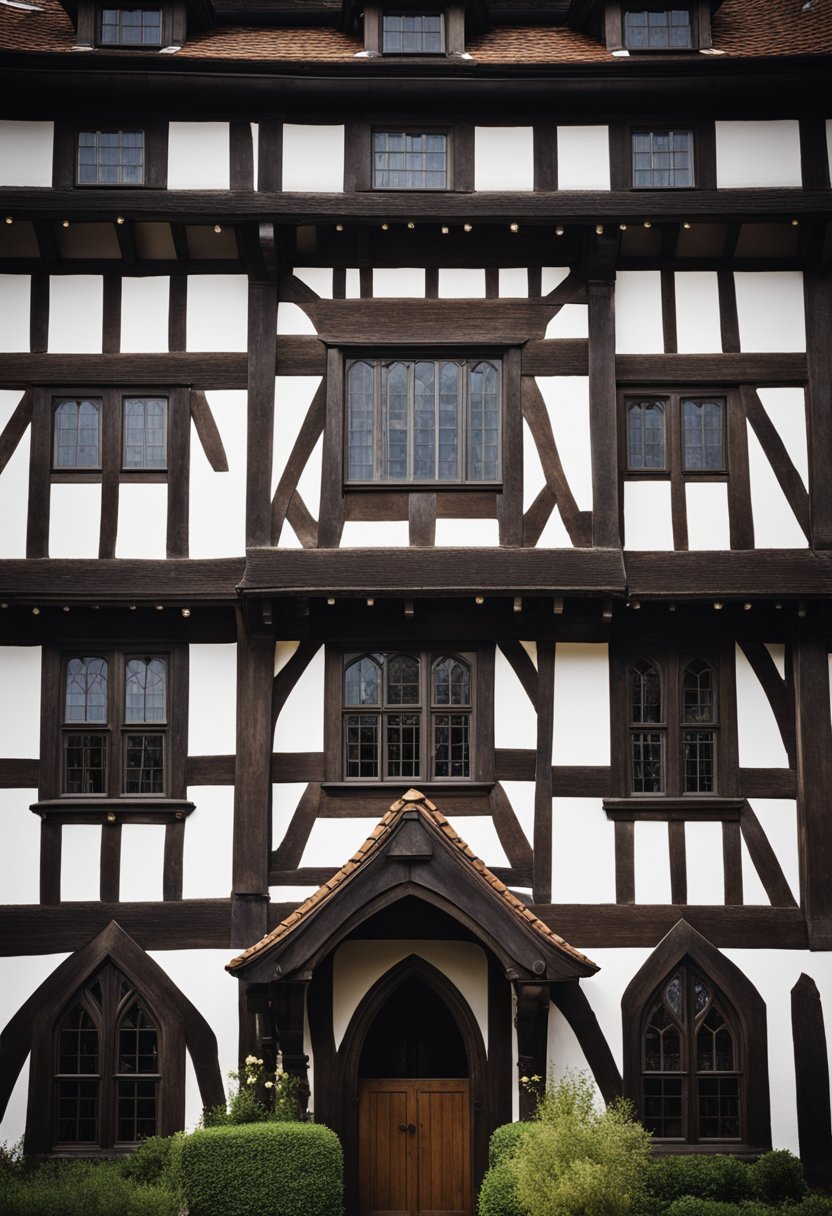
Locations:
(606, 531)
(814, 782)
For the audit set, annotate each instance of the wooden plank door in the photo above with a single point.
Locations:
(415, 1148)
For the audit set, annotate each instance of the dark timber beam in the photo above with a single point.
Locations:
(262, 346)
(603, 414)
(814, 786)
(67, 580)
(817, 286)
(811, 1067)
(532, 1022)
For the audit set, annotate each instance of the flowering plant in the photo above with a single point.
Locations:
(259, 1095)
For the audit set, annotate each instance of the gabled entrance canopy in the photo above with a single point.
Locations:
(414, 851)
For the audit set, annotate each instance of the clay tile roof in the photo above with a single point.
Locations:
(413, 800)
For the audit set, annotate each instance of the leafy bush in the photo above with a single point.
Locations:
(578, 1161)
(498, 1193)
(263, 1169)
(721, 1177)
(80, 1188)
(777, 1177)
(694, 1205)
(260, 1096)
(505, 1140)
(815, 1204)
(157, 1160)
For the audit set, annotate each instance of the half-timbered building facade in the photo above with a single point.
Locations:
(415, 569)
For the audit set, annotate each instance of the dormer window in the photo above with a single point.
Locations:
(130, 27)
(660, 29)
(412, 34)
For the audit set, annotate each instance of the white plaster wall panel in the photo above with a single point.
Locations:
(706, 505)
(334, 841)
(74, 520)
(201, 976)
(80, 861)
(145, 304)
(15, 291)
(604, 991)
(572, 321)
(778, 819)
(142, 520)
(703, 860)
(753, 891)
(360, 964)
(770, 310)
(786, 407)
(199, 156)
(283, 652)
(647, 519)
(775, 524)
(76, 311)
(583, 158)
(468, 533)
(580, 828)
(255, 154)
(217, 314)
(758, 153)
(697, 312)
(26, 153)
(309, 482)
(638, 312)
(20, 976)
(286, 796)
(209, 840)
(554, 534)
(14, 483)
(20, 855)
(313, 158)
(212, 699)
(352, 290)
(521, 796)
(371, 534)
(552, 277)
(503, 158)
(480, 835)
(515, 720)
(581, 730)
(319, 278)
(142, 862)
(565, 1054)
(290, 894)
(291, 319)
(778, 653)
(217, 501)
(531, 650)
(533, 479)
(20, 714)
(398, 282)
(652, 863)
(461, 283)
(567, 402)
(513, 282)
(292, 399)
(760, 744)
(300, 727)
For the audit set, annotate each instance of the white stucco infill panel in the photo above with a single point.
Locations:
(778, 819)
(638, 312)
(142, 862)
(565, 1054)
(580, 828)
(515, 719)
(313, 158)
(533, 479)
(20, 976)
(703, 863)
(567, 403)
(480, 834)
(358, 965)
(212, 696)
(293, 396)
(760, 743)
(652, 863)
(199, 156)
(758, 153)
(467, 533)
(571, 321)
(697, 312)
(309, 484)
(581, 726)
(217, 501)
(145, 304)
(552, 277)
(399, 282)
(209, 843)
(15, 293)
(461, 283)
(521, 796)
(647, 519)
(142, 520)
(80, 861)
(20, 714)
(20, 855)
(14, 483)
(770, 310)
(375, 534)
(291, 319)
(74, 519)
(513, 282)
(503, 158)
(604, 990)
(583, 158)
(334, 841)
(706, 504)
(775, 524)
(554, 534)
(76, 311)
(26, 153)
(300, 726)
(217, 313)
(319, 278)
(786, 407)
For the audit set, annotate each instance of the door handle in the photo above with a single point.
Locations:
(411, 1127)
(402, 1127)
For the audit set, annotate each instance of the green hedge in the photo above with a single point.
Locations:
(80, 1188)
(498, 1193)
(505, 1140)
(263, 1169)
(720, 1177)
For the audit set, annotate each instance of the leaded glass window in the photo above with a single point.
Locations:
(658, 29)
(703, 431)
(131, 27)
(699, 745)
(145, 432)
(646, 435)
(137, 1074)
(110, 158)
(145, 697)
(423, 420)
(647, 746)
(77, 1079)
(77, 434)
(662, 158)
(410, 160)
(86, 690)
(411, 34)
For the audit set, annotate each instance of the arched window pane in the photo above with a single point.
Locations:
(424, 421)
(76, 1093)
(403, 680)
(449, 415)
(78, 435)
(483, 423)
(674, 995)
(703, 435)
(699, 692)
(145, 433)
(646, 435)
(138, 1049)
(360, 422)
(646, 693)
(78, 1043)
(86, 690)
(394, 421)
(362, 682)
(144, 690)
(451, 682)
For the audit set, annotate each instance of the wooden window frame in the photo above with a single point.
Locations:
(700, 26)
(174, 24)
(449, 161)
(358, 161)
(481, 730)
(453, 30)
(65, 152)
(674, 468)
(111, 435)
(621, 151)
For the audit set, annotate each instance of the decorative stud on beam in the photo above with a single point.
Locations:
(409, 610)
(186, 612)
(479, 599)
(557, 606)
(606, 608)
(518, 603)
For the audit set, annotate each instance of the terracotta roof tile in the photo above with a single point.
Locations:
(413, 800)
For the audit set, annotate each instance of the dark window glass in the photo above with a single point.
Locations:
(77, 434)
(361, 738)
(647, 747)
(110, 158)
(411, 34)
(646, 435)
(145, 432)
(699, 746)
(85, 763)
(144, 764)
(403, 680)
(77, 1082)
(362, 681)
(662, 158)
(719, 1108)
(408, 160)
(360, 422)
(703, 439)
(657, 29)
(145, 698)
(138, 1049)
(647, 692)
(86, 690)
(663, 1107)
(131, 27)
(78, 1043)
(402, 743)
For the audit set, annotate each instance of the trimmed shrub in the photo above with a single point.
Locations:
(777, 1177)
(157, 1160)
(692, 1205)
(263, 1169)
(498, 1193)
(815, 1204)
(81, 1188)
(505, 1140)
(721, 1177)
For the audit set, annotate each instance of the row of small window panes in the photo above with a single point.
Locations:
(703, 434)
(145, 690)
(698, 693)
(131, 27)
(698, 761)
(389, 745)
(663, 158)
(410, 161)
(717, 1107)
(657, 29)
(378, 679)
(144, 433)
(86, 764)
(110, 158)
(420, 420)
(411, 34)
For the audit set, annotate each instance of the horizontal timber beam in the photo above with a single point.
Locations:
(69, 580)
(747, 573)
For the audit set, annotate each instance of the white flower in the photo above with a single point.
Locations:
(251, 1081)
(258, 1062)
(251, 1059)
(269, 1084)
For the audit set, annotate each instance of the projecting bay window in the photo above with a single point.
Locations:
(423, 421)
